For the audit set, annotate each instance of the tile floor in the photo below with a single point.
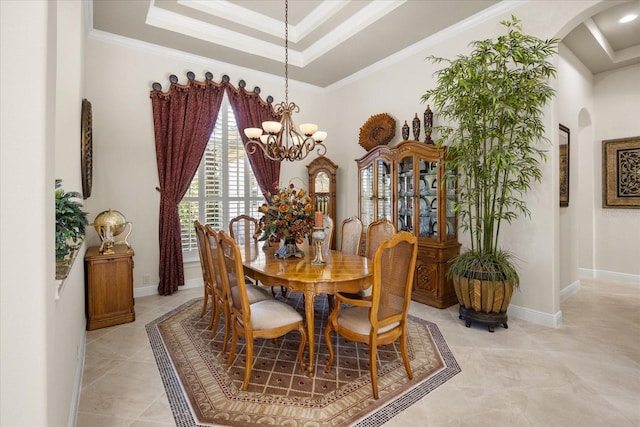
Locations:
(585, 373)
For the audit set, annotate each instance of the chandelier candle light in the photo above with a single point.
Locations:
(281, 140)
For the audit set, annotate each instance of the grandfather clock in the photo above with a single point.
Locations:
(322, 189)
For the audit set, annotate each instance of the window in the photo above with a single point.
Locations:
(223, 187)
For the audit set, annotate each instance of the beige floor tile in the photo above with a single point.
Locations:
(159, 411)
(584, 373)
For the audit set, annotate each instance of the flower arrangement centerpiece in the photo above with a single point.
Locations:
(288, 216)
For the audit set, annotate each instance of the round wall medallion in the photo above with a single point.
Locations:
(379, 129)
(86, 160)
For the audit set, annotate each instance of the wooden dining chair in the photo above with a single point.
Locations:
(351, 235)
(350, 240)
(244, 228)
(269, 318)
(207, 277)
(382, 319)
(377, 232)
(221, 300)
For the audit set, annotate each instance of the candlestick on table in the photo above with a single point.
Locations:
(318, 239)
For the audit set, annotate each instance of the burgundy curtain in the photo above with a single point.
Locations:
(250, 111)
(183, 120)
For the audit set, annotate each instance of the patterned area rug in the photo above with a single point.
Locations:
(203, 391)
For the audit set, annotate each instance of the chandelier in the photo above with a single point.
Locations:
(281, 140)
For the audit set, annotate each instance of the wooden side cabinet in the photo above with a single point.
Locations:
(109, 287)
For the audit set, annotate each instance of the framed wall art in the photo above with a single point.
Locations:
(564, 165)
(621, 173)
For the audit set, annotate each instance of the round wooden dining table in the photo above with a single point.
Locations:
(341, 273)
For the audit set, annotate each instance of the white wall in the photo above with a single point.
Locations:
(575, 95)
(66, 329)
(617, 231)
(41, 95)
(27, 270)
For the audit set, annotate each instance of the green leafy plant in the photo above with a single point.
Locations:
(493, 98)
(71, 221)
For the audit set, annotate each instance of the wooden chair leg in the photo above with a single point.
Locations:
(373, 350)
(405, 355)
(247, 368)
(214, 319)
(234, 341)
(227, 327)
(204, 304)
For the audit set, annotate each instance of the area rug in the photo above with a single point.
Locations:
(203, 391)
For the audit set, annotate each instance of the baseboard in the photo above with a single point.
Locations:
(77, 385)
(610, 275)
(534, 316)
(567, 291)
(145, 291)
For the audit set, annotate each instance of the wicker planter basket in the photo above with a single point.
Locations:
(483, 301)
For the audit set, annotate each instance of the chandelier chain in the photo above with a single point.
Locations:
(286, 51)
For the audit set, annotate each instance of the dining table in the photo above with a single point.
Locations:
(341, 272)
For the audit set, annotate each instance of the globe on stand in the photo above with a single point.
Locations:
(109, 224)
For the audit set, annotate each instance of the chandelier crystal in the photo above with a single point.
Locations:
(281, 140)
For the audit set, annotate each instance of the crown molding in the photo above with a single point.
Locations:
(168, 20)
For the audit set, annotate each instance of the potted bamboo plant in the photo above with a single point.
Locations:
(492, 101)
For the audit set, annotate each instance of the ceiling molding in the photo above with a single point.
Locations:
(616, 56)
(172, 21)
(332, 43)
(424, 45)
(218, 68)
(257, 21)
(602, 41)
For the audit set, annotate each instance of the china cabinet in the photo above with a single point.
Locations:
(109, 287)
(322, 188)
(406, 185)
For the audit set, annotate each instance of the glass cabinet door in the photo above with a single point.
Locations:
(383, 190)
(451, 225)
(366, 195)
(406, 195)
(428, 199)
